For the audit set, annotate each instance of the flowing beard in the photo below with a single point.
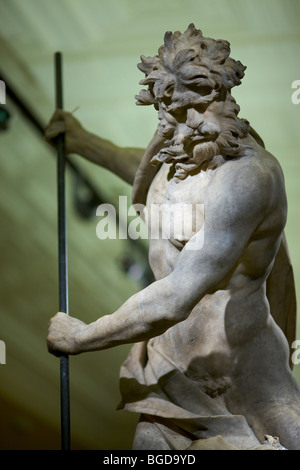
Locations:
(190, 150)
(185, 162)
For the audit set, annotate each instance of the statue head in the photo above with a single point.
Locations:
(189, 83)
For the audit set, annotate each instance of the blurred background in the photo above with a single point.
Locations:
(101, 42)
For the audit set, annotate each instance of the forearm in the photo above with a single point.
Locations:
(123, 162)
(146, 314)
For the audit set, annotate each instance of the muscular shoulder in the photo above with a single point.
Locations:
(254, 179)
(248, 191)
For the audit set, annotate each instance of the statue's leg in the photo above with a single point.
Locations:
(281, 418)
(271, 406)
(265, 390)
(155, 433)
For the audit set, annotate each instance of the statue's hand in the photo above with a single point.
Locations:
(64, 122)
(63, 334)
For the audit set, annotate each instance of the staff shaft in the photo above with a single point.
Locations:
(62, 260)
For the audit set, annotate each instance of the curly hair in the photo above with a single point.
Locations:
(215, 69)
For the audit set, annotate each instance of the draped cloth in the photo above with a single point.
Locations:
(179, 409)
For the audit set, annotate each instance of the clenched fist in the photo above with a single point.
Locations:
(63, 122)
(63, 334)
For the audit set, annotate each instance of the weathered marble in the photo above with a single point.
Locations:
(210, 364)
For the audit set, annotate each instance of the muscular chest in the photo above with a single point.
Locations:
(176, 211)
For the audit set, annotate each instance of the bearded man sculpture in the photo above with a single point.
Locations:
(210, 365)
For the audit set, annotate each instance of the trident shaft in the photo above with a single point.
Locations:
(62, 260)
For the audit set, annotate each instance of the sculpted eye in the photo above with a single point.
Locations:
(196, 77)
(203, 90)
(199, 76)
(198, 85)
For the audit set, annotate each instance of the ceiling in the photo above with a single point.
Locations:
(101, 41)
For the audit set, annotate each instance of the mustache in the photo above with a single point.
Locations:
(194, 139)
(187, 139)
(202, 154)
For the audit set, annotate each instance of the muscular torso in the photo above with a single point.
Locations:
(225, 355)
(227, 320)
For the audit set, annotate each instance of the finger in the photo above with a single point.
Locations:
(58, 115)
(61, 316)
(57, 314)
(53, 131)
(57, 126)
(52, 350)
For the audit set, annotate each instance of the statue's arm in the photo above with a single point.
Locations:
(121, 161)
(230, 221)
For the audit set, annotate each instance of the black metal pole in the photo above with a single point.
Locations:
(62, 260)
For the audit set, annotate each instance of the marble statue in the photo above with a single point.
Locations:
(210, 364)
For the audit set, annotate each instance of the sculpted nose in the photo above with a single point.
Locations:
(194, 118)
